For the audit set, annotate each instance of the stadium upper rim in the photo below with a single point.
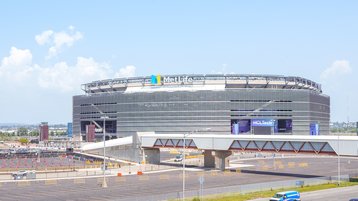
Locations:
(227, 80)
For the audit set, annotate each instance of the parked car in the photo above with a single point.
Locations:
(19, 175)
(22, 151)
(69, 150)
(34, 141)
(286, 196)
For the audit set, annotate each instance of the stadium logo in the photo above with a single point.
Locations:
(158, 80)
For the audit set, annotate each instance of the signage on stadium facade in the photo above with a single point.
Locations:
(263, 122)
(98, 130)
(158, 79)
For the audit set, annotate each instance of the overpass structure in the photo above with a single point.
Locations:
(125, 149)
(218, 147)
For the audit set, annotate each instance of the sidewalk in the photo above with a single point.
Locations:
(92, 172)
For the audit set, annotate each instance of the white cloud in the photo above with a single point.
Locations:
(17, 66)
(92, 70)
(128, 71)
(42, 86)
(60, 76)
(44, 37)
(18, 57)
(57, 40)
(63, 38)
(338, 68)
(65, 77)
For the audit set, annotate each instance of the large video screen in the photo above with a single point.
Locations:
(240, 126)
(314, 129)
(284, 126)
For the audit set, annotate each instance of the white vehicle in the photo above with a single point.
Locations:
(19, 175)
(178, 158)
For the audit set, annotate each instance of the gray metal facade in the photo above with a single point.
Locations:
(188, 111)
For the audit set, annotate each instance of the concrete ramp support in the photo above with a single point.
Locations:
(221, 160)
(209, 159)
(152, 155)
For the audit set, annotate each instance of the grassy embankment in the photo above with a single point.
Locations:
(270, 193)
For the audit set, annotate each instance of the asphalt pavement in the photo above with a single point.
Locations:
(168, 185)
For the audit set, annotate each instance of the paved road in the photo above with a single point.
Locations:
(336, 194)
(167, 185)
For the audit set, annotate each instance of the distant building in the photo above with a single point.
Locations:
(90, 134)
(69, 130)
(43, 131)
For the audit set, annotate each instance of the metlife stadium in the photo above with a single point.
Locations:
(220, 104)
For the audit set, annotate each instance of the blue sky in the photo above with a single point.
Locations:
(45, 45)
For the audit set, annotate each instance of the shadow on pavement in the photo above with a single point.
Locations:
(179, 165)
(280, 174)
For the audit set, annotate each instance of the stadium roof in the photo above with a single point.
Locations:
(199, 82)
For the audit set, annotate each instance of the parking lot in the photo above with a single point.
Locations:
(168, 183)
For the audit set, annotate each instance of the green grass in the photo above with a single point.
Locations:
(269, 193)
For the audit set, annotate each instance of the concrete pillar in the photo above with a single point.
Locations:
(209, 159)
(221, 160)
(152, 155)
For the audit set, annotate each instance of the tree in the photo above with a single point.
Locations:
(22, 131)
(62, 133)
(34, 133)
(23, 140)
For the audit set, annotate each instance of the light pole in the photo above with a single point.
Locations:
(104, 117)
(104, 183)
(339, 163)
(184, 165)
(184, 145)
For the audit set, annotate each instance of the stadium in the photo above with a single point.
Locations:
(215, 103)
